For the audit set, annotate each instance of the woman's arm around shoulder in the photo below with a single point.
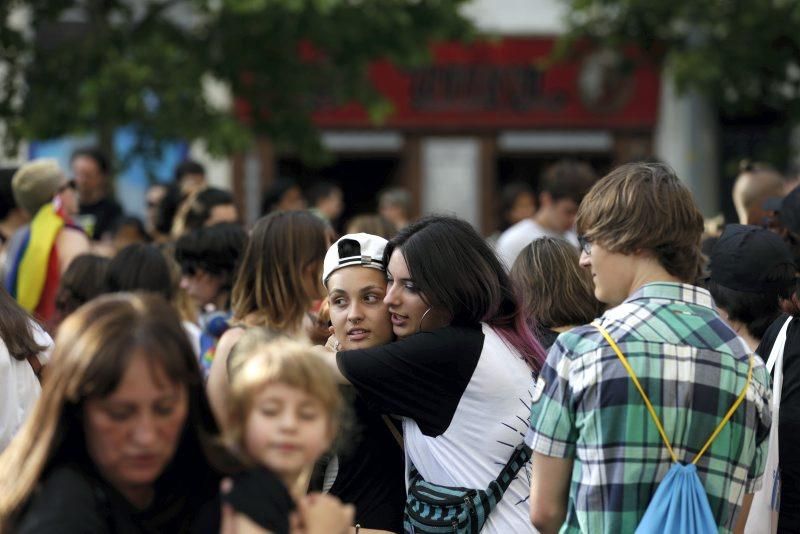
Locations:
(421, 377)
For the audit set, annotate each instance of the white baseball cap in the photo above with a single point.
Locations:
(361, 249)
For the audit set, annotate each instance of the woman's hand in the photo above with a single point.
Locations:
(325, 514)
(316, 323)
(333, 344)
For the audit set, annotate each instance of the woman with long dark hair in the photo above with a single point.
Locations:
(460, 374)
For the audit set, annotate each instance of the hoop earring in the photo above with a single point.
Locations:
(419, 328)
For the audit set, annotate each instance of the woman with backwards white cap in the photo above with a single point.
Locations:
(368, 471)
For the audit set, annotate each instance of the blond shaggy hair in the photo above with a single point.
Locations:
(645, 207)
(261, 358)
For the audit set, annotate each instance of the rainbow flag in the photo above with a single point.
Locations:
(34, 274)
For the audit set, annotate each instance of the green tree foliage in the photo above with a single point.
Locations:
(257, 45)
(743, 54)
(89, 66)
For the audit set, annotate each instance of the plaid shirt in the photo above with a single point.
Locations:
(692, 367)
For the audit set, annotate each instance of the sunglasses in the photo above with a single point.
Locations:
(193, 267)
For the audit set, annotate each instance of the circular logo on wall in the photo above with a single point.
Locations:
(604, 83)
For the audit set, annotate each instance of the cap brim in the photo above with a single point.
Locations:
(773, 204)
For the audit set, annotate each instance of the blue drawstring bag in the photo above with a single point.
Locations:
(680, 503)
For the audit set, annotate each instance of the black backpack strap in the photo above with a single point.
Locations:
(520, 457)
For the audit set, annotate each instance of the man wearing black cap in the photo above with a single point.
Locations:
(751, 269)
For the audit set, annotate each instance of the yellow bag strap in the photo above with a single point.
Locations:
(652, 411)
(728, 415)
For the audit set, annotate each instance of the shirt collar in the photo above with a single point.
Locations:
(674, 291)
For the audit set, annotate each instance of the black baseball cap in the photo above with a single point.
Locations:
(744, 254)
(787, 208)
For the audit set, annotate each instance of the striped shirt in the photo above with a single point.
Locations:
(692, 367)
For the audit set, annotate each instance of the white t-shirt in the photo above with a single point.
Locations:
(464, 396)
(519, 236)
(19, 387)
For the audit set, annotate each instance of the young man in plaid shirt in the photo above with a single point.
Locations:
(598, 456)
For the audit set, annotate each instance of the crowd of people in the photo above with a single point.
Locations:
(186, 373)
